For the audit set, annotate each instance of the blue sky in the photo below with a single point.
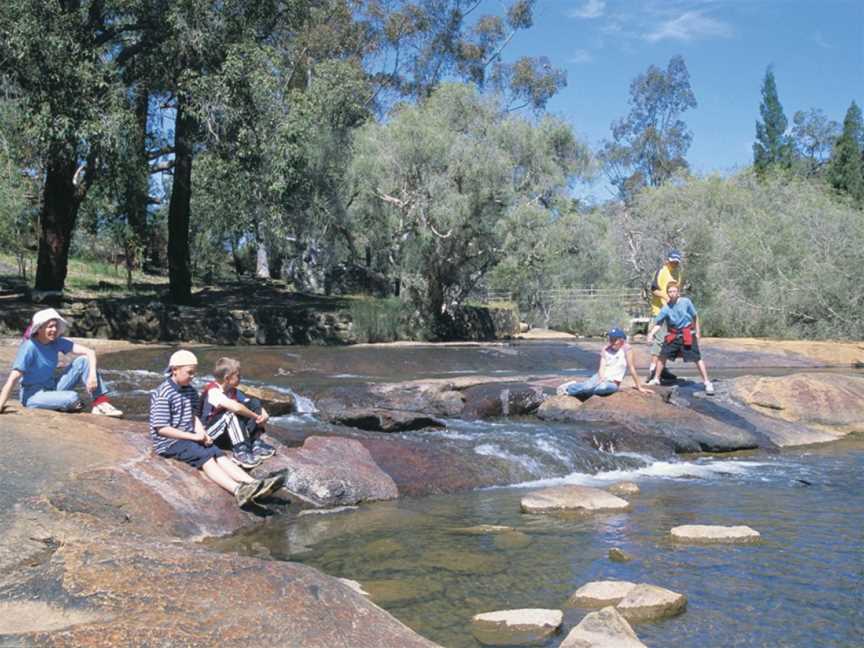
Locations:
(816, 48)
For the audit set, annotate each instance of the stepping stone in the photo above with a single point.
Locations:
(649, 602)
(624, 488)
(530, 626)
(709, 534)
(600, 593)
(572, 498)
(605, 628)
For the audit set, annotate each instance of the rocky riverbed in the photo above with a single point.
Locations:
(98, 535)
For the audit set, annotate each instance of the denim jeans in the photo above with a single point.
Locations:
(593, 387)
(61, 396)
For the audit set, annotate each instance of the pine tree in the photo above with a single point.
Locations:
(846, 170)
(772, 147)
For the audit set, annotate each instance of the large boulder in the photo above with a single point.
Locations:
(605, 628)
(830, 403)
(332, 471)
(526, 627)
(647, 421)
(90, 550)
(572, 498)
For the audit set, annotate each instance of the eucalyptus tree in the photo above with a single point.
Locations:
(649, 145)
(813, 136)
(60, 59)
(445, 179)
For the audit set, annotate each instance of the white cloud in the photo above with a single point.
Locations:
(689, 26)
(581, 56)
(589, 9)
(820, 40)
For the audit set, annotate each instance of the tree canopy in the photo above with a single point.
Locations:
(649, 145)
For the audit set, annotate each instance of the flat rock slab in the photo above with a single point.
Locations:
(709, 534)
(830, 403)
(530, 626)
(127, 590)
(649, 602)
(606, 628)
(600, 594)
(572, 498)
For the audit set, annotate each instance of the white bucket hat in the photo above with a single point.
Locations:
(182, 358)
(42, 317)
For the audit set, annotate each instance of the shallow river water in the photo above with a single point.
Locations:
(802, 585)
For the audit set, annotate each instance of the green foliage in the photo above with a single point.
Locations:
(649, 145)
(772, 147)
(443, 179)
(846, 169)
(376, 320)
(813, 136)
(778, 257)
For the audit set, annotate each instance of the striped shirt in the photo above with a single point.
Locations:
(171, 406)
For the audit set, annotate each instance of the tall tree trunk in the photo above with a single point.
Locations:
(137, 189)
(59, 212)
(179, 262)
(262, 257)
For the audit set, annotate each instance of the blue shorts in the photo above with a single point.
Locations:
(191, 452)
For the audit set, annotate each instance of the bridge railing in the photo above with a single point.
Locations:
(562, 306)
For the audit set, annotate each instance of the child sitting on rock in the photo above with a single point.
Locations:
(616, 359)
(35, 365)
(226, 408)
(177, 433)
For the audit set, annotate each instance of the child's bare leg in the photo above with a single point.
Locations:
(661, 364)
(235, 472)
(216, 473)
(700, 364)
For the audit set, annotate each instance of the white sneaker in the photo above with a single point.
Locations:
(653, 381)
(106, 409)
(709, 388)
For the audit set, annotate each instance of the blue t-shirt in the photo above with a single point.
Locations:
(38, 361)
(679, 314)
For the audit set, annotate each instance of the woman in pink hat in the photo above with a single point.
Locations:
(36, 364)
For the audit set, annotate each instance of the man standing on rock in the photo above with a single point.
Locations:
(670, 271)
(682, 335)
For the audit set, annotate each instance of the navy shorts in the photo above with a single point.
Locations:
(191, 452)
(676, 349)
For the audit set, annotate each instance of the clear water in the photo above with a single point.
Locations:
(803, 585)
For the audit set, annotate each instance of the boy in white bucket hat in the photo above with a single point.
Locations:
(177, 433)
(35, 366)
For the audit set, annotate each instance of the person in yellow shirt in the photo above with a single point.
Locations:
(670, 271)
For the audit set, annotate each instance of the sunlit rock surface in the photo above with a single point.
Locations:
(709, 534)
(572, 498)
(605, 628)
(525, 627)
